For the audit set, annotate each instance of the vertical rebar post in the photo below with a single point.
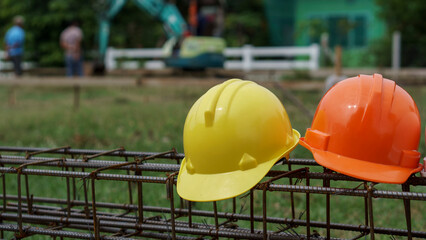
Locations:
(95, 218)
(74, 188)
(366, 215)
(308, 208)
(216, 220)
(129, 183)
(170, 196)
(407, 208)
(293, 212)
(86, 201)
(370, 190)
(97, 229)
(140, 197)
(27, 191)
(265, 226)
(21, 231)
(326, 183)
(190, 214)
(234, 205)
(68, 195)
(251, 211)
(4, 198)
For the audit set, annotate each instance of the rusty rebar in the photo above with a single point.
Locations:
(71, 162)
(19, 220)
(242, 217)
(308, 208)
(125, 225)
(326, 183)
(140, 197)
(105, 153)
(88, 152)
(370, 190)
(216, 219)
(4, 199)
(95, 219)
(170, 196)
(221, 233)
(407, 210)
(51, 150)
(129, 184)
(272, 187)
(251, 211)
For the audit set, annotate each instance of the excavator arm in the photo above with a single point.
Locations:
(173, 22)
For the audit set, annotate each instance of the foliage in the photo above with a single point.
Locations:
(45, 20)
(245, 23)
(131, 28)
(135, 28)
(408, 18)
(378, 52)
(315, 28)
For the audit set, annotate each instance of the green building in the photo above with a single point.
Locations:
(353, 24)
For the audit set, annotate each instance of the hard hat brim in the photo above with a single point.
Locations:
(364, 170)
(215, 187)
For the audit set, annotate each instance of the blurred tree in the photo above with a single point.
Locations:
(45, 20)
(135, 28)
(245, 23)
(408, 18)
(131, 28)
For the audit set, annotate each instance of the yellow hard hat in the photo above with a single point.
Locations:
(232, 136)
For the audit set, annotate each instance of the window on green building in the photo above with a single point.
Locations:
(346, 31)
(338, 31)
(360, 31)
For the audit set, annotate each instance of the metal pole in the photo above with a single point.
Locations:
(396, 51)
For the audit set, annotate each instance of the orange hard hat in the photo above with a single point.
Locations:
(366, 127)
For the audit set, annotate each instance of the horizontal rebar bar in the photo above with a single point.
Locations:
(272, 187)
(144, 234)
(56, 233)
(156, 167)
(79, 235)
(109, 217)
(221, 232)
(71, 151)
(79, 163)
(236, 216)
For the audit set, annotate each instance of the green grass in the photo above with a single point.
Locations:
(152, 119)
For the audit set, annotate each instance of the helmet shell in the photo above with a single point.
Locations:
(366, 127)
(233, 135)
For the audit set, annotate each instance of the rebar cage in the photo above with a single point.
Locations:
(298, 202)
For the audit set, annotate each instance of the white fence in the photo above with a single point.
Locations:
(246, 58)
(8, 65)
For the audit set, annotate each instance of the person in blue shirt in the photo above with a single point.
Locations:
(14, 44)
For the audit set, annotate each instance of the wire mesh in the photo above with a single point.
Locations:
(140, 189)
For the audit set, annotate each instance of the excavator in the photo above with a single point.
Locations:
(180, 50)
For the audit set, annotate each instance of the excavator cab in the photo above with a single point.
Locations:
(195, 53)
